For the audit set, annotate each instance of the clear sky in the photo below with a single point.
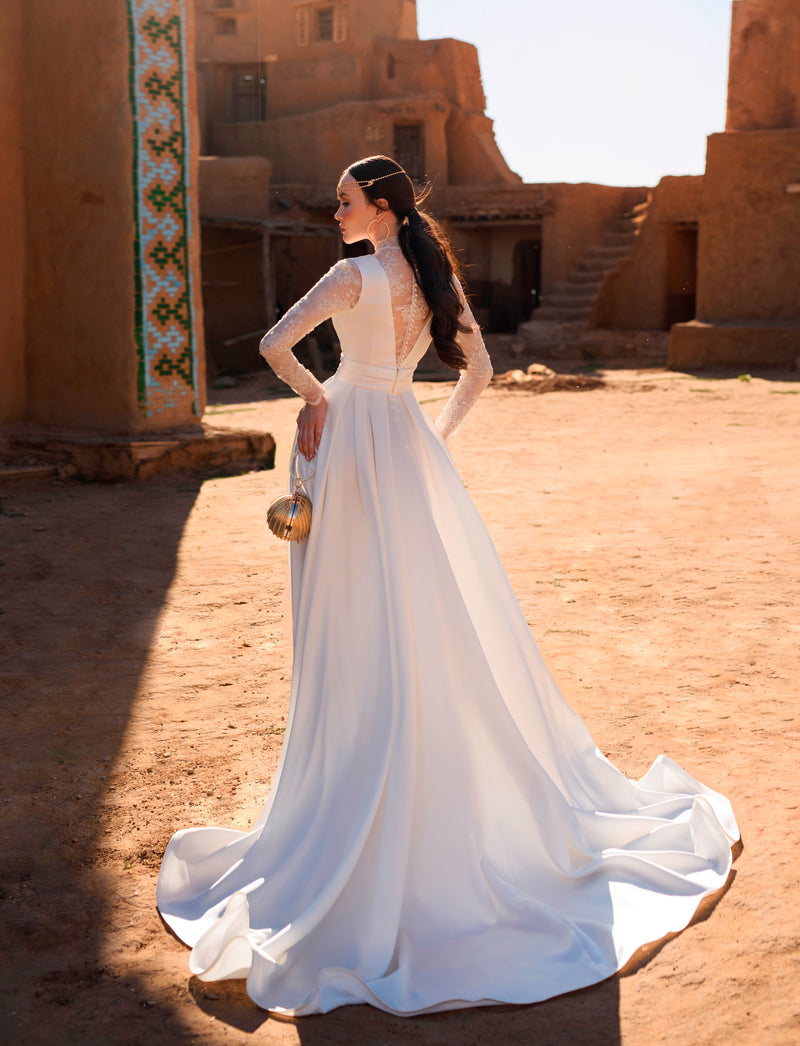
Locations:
(613, 91)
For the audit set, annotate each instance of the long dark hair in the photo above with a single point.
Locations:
(425, 247)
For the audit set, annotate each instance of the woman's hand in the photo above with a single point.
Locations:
(310, 422)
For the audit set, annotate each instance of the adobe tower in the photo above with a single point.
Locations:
(748, 288)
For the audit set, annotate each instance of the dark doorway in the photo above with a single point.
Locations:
(527, 277)
(297, 263)
(234, 306)
(681, 296)
(408, 149)
(248, 94)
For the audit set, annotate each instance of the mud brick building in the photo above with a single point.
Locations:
(713, 259)
(307, 87)
(748, 280)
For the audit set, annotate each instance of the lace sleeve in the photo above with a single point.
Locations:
(337, 291)
(472, 380)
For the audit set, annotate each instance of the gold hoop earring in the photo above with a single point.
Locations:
(385, 224)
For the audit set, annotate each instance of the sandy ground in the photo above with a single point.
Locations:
(652, 532)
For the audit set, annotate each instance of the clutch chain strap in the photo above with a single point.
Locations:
(299, 481)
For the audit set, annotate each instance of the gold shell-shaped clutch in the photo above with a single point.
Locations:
(289, 516)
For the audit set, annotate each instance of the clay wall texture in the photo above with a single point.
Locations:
(80, 279)
(749, 248)
(764, 79)
(12, 216)
(234, 187)
(103, 233)
(313, 149)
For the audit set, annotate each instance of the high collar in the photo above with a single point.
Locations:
(392, 243)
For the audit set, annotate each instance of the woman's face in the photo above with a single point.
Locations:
(355, 210)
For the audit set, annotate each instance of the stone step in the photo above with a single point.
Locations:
(571, 298)
(26, 473)
(568, 342)
(591, 279)
(601, 251)
(560, 314)
(621, 239)
(596, 276)
(107, 457)
(582, 282)
(541, 329)
(598, 267)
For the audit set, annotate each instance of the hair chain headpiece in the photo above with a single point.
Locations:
(370, 181)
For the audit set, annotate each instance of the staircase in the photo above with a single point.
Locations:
(564, 327)
(573, 302)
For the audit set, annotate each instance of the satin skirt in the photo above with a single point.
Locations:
(441, 831)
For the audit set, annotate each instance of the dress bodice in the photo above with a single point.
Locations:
(369, 333)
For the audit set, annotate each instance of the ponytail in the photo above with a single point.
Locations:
(435, 269)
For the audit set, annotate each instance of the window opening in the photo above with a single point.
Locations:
(325, 23)
(408, 149)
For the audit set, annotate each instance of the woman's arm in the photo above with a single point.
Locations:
(473, 379)
(337, 291)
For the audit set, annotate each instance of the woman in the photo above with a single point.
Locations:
(441, 831)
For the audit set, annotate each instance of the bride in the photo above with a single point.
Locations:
(441, 831)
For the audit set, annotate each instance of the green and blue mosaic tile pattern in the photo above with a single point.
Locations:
(168, 372)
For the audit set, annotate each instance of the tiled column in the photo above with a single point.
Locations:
(166, 293)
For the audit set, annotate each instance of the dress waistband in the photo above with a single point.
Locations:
(368, 376)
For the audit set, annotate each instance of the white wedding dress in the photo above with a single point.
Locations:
(441, 831)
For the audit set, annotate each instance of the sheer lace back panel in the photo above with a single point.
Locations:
(410, 311)
(377, 331)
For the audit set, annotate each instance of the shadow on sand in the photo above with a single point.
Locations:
(79, 610)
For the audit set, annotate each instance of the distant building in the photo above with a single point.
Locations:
(309, 87)
(748, 280)
(713, 259)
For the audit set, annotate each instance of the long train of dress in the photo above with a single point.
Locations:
(441, 831)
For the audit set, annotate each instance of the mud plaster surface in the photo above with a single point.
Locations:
(651, 531)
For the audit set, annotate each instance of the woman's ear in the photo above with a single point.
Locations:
(382, 205)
